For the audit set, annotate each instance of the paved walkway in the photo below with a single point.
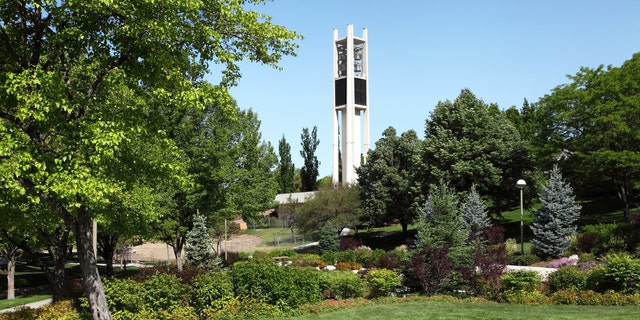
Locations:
(32, 305)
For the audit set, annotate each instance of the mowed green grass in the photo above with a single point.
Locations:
(480, 311)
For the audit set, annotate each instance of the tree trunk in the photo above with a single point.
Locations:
(106, 249)
(177, 249)
(11, 273)
(91, 277)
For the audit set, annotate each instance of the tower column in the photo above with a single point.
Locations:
(351, 103)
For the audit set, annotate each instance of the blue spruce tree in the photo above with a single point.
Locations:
(475, 216)
(555, 221)
(198, 246)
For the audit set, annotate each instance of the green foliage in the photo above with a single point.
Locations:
(592, 298)
(124, 295)
(286, 287)
(440, 225)
(521, 280)
(382, 282)
(608, 237)
(87, 101)
(568, 278)
(526, 259)
(343, 285)
(555, 222)
(309, 171)
(286, 168)
(329, 239)
(212, 291)
(339, 205)
(244, 308)
(198, 247)
(388, 180)
(159, 292)
(468, 142)
(621, 273)
(62, 310)
(596, 119)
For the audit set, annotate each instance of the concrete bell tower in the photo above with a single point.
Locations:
(351, 104)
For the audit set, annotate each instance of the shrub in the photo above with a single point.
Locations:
(356, 266)
(363, 255)
(587, 241)
(346, 256)
(63, 310)
(525, 297)
(329, 257)
(123, 295)
(621, 273)
(349, 243)
(511, 245)
(432, 268)
(523, 259)
(382, 282)
(286, 287)
(343, 266)
(591, 298)
(307, 260)
(211, 290)
(521, 280)
(164, 291)
(321, 264)
(244, 308)
(568, 278)
(343, 285)
(608, 237)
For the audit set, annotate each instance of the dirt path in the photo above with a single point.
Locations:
(160, 251)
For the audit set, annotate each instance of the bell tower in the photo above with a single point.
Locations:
(351, 104)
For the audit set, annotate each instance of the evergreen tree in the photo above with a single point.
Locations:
(555, 221)
(440, 223)
(329, 239)
(198, 247)
(286, 169)
(475, 215)
(309, 172)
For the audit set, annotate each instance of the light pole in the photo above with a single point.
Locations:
(520, 185)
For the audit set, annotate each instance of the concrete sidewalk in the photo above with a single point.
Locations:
(32, 305)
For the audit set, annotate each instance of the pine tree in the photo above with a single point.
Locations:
(475, 215)
(329, 239)
(198, 247)
(555, 221)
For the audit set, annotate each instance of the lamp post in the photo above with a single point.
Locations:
(520, 185)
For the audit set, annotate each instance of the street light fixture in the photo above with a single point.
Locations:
(520, 185)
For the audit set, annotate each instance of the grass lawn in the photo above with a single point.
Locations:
(18, 301)
(480, 311)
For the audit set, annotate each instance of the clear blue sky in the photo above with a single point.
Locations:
(422, 52)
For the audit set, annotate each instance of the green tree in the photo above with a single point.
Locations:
(339, 205)
(198, 247)
(391, 190)
(591, 128)
(286, 168)
(468, 142)
(81, 83)
(309, 171)
(554, 223)
(440, 223)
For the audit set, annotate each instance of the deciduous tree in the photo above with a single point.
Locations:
(591, 128)
(391, 190)
(309, 171)
(468, 142)
(81, 83)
